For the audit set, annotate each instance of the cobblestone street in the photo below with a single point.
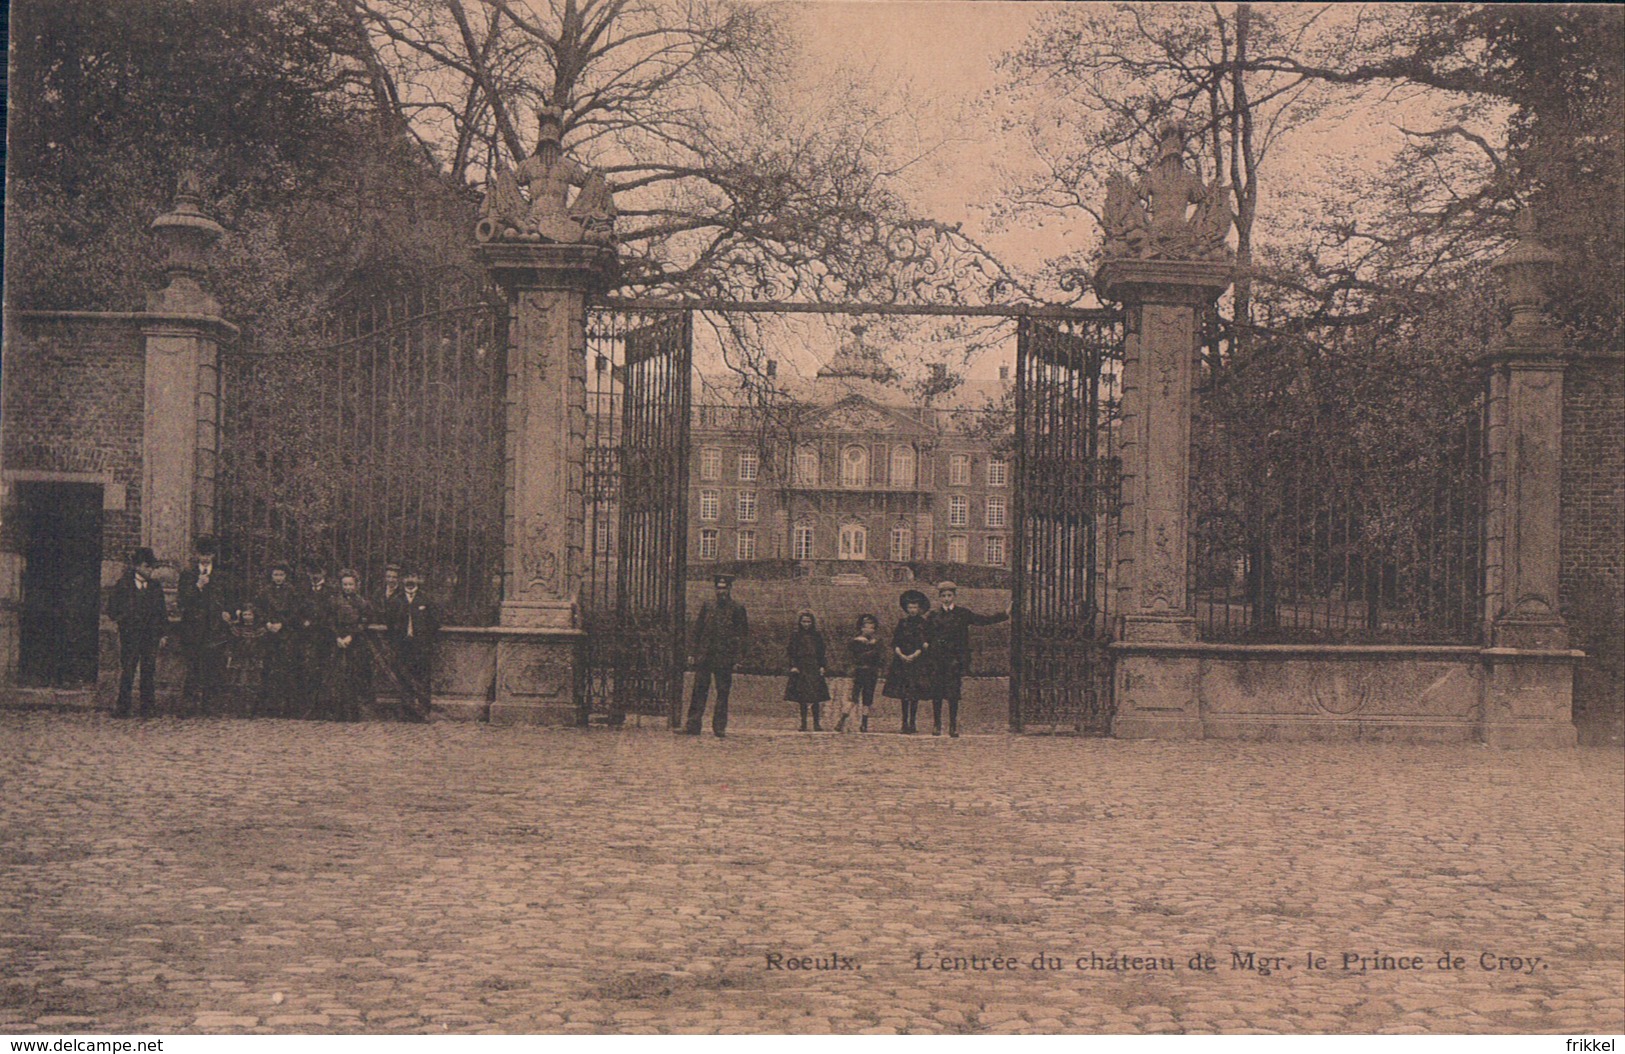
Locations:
(273, 876)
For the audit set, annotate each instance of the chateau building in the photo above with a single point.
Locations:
(847, 468)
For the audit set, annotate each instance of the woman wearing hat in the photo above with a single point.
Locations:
(807, 686)
(909, 677)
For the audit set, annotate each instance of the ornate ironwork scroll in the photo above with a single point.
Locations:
(636, 515)
(1066, 509)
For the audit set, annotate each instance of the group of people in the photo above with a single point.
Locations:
(288, 648)
(927, 658)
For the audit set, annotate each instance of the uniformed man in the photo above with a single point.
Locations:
(412, 622)
(947, 635)
(136, 603)
(206, 612)
(720, 633)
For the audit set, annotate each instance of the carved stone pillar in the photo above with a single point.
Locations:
(1528, 691)
(1166, 264)
(548, 286)
(181, 415)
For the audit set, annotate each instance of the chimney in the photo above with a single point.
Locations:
(772, 368)
(1004, 373)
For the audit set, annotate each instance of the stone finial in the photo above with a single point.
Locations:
(1152, 218)
(532, 203)
(1525, 269)
(185, 233)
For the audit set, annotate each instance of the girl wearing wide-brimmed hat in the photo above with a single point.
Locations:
(807, 686)
(910, 676)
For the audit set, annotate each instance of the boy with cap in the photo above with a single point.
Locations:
(947, 633)
(720, 633)
(136, 603)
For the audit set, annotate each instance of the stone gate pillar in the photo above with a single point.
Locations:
(1529, 667)
(1166, 263)
(180, 431)
(550, 255)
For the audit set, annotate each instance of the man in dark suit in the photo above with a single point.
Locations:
(947, 635)
(720, 633)
(413, 622)
(137, 605)
(205, 603)
(392, 588)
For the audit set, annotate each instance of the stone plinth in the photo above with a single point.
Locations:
(1163, 301)
(1498, 696)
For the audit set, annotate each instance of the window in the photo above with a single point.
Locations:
(998, 471)
(995, 510)
(746, 507)
(745, 549)
(855, 466)
(854, 542)
(902, 542)
(807, 465)
(902, 466)
(959, 470)
(708, 543)
(958, 511)
(709, 503)
(958, 551)
(710, 463)
(749, 465)
(994, 550)
(802, 544)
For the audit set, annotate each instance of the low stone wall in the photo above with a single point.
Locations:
(1418, 694)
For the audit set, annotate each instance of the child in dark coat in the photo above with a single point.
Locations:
(807, 686)
(909, 679)
(865, 652)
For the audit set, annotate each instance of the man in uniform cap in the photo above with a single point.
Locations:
(136, 603)
(412, 623)
(720, 633)
(947, 634)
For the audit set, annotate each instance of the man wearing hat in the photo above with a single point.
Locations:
(205, 604)
(412, 622)
(392, 587)
(136, 603)
(720, 633)
(947, 634)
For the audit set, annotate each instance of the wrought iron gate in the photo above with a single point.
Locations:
(634, 600)
(1067, 375)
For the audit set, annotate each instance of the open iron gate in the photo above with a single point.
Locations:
(634, 600)
(1067, 375)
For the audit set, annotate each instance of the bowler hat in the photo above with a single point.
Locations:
(143, 555)
(913, 596)
(723, 580)
(947, 587)
(205, 545)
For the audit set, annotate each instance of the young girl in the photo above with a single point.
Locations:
(807, 685)
(910, 676)
(865, 651)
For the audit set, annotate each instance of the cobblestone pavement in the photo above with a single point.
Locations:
(236, 876)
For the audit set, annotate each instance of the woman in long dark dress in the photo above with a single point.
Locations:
(909, 678)
(807, 686)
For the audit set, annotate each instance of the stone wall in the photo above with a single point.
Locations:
(1592, 591)
(72, 407)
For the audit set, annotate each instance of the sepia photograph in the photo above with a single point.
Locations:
(796, 517)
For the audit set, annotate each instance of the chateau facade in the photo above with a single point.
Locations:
(847, 469)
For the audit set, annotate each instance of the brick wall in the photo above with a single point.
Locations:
(1592, 590)
(71, 402)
